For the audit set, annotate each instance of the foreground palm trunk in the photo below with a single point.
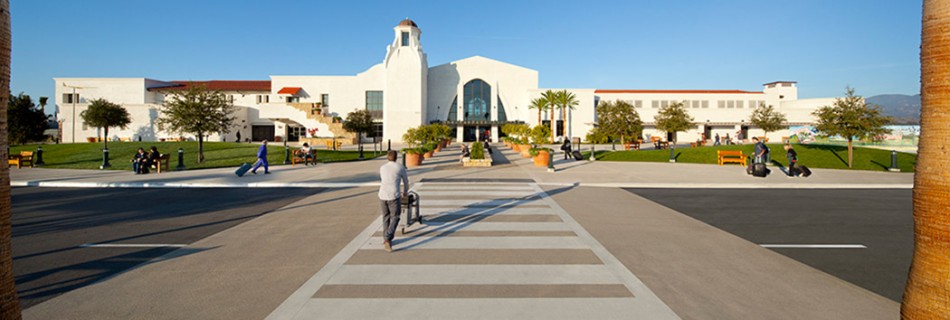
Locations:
(9, 303)
(927, 294)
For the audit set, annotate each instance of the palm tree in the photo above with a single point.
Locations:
(9, 302)
(539, 103)
(566, 101)
(551, 97)
(927, 294)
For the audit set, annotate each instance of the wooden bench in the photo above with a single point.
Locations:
(663, 144)
(25, 157)
(298, 157)
(330, 146)
(631, 145)
(731, 156)
(162, 162)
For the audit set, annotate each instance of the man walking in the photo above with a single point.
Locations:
(792, 160)
(391, 175)
(261, 159)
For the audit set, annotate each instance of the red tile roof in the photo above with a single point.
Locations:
(408, 23)
(679, 91)
(289, 90)
(220, 85)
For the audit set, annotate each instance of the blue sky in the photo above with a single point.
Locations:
(871, 45)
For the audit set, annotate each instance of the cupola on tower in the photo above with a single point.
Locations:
(404, 98)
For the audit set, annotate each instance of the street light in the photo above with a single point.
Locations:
(74, 98)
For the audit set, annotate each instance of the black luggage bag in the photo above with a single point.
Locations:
(243, 169)
(577, 155)
(759, 170)
(805, 171)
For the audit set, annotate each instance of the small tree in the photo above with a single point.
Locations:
(359, 121)
(104, 114)
(26, 121)
(539, 134)
(199, 111)
(673, 118)
(767, 118)
(851, 117)
(618, 119)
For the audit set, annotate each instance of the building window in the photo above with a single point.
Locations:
(374, 104)
(655, 104)
(292, 99)
(263, 98)
(70, 98)
(705, 103)
(405, 39)
(477, 101)
(85, 126)
(721, 104)
(325, 100)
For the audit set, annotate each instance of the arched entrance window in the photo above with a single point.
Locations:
(477, 101)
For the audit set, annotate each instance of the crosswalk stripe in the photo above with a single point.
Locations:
(376, 243)
(473, 274)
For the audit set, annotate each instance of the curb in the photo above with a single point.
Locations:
(729, 185)
(63, 184)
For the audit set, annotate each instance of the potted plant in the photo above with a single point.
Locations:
(539, 134)
(541, 156)
(428, 151)
(413, 157)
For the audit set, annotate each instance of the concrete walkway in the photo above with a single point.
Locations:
(508, 242)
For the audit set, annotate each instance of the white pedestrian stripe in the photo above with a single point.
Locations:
(814, 246)
(489, 220)
(376, 243)
(473, 274)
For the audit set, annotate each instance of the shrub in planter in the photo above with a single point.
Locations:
(541, 156)
(413, 157)
(477, 152)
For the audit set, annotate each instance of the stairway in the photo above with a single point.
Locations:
(336, 129)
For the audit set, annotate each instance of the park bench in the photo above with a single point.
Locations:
(298, 157)
(330, 146)
(631, 145)
(162, 162)
(731, 156)
(25, 157)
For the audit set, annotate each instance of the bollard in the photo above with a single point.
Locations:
(361, 151)
(672, 156)
(389, 144)
(592, 153)
(894, 167)
(403, 159)
(286, 154)
(105, 159)
(181, 160)
(613, 145)
(39, 157)
(551, 161)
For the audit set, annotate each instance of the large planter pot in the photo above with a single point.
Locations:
(525, 151)
(438, 148)
(428, 155)
(413, 159)
(515, 147)
(542, 159)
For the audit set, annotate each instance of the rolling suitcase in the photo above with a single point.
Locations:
(243, 169)
(577, 155)
(804, 170)
(759, 170)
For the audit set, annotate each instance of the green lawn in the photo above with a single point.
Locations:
(217, 154)
(813, 156)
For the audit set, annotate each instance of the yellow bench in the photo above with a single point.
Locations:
(329, 144)
(731, 156)
(25, 157)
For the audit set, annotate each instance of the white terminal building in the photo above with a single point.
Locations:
(473, 95)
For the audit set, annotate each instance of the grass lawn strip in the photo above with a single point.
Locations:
(813, 156)
(217, 154)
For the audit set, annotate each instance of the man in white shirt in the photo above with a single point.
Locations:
(391, 175)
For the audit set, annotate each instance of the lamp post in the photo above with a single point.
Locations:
(74, 98)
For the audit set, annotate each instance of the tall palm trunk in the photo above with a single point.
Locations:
(927, 294)
(9, 303)
(553, 123)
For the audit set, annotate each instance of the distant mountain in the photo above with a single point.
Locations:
(905, 109)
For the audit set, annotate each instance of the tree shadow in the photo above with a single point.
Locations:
(831, 149)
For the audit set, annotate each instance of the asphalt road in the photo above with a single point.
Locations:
(50, 225)
(881, 220)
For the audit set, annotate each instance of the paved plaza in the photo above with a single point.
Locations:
(592, 240)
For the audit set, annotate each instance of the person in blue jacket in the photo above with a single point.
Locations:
(261, 159)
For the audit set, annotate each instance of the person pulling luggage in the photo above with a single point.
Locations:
(566, 147)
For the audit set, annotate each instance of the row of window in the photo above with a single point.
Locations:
(699, 104)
